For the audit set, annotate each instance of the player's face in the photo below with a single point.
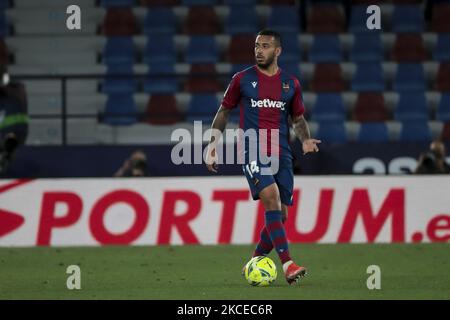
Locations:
(266, 51)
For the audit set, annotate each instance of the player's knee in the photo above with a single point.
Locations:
(272, 202)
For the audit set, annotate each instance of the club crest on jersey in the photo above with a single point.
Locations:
(286, 86)
(254, 83)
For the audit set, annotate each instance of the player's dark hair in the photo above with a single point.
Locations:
(272, 33)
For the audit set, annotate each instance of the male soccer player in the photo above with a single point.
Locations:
(267, 96)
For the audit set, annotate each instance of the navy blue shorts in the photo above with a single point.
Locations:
(284, 179)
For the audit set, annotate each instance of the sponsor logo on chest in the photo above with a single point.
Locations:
(268, 103)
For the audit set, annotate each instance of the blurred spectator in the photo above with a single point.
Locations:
(134, 166)
(433, 161)
(13, 118)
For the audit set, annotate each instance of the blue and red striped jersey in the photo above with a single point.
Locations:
(266, 102)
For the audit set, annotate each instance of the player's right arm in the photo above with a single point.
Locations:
(230, 101)
(219, 123)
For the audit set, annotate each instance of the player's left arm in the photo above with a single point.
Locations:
(301, 130)
(299, 123)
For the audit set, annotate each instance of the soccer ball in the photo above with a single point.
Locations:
(260, 271)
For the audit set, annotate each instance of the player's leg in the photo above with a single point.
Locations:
(265, 246)
(285, 181)
(270, 197)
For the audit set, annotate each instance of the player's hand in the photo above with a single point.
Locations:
(310, 145)
(211, 160)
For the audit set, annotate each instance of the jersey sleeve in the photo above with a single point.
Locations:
(297, 107)
(232, 95)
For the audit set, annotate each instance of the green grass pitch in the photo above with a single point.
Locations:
(419, 271)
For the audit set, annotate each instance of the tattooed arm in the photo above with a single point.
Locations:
(302, 132)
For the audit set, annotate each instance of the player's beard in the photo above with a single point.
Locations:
(267, 63)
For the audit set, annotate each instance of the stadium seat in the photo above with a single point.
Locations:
(203, 78)
(442, 51)
(190, 3)
(160, 49)
(326, 18)
(328, 107)
(439, 18)
(291, 49)
(161, 79)
(409, 77)
(119, 22)
(202, 49)
(241, 20)
(240, 50)
(202, 20)
(443, 77)
(368, 77)
(445, 134)
(372, 132)
(358, 19)
(443, 109)
(113, 85)
(284, 19)
(160, 20)
(327, 78)
(370, 107)
(411, 106)
(332, 132)
(162, 110)
(367, 48)
(415, 131)
(119, 50)
(117, 3)
(325, 49)
(407, 18)
(202, 107)
(409, 48)
(239, 67)
(120, 110)
(293, 68)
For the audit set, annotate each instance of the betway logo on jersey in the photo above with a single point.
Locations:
(267, 103)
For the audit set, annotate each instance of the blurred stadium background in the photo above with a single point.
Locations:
(139, 69)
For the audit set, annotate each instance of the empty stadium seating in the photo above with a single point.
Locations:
(370, 107)
(190, 48)
(415, 131)
(368, 77)
(120, 110)
(367, 47)
(160, 20)
(371, 132)
(411, 106)
(329, 107)
(202, 107)
(332, 132)
(242, 20)
(325, 49)
(409, 77)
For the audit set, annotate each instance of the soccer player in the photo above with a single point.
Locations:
(267, 97)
